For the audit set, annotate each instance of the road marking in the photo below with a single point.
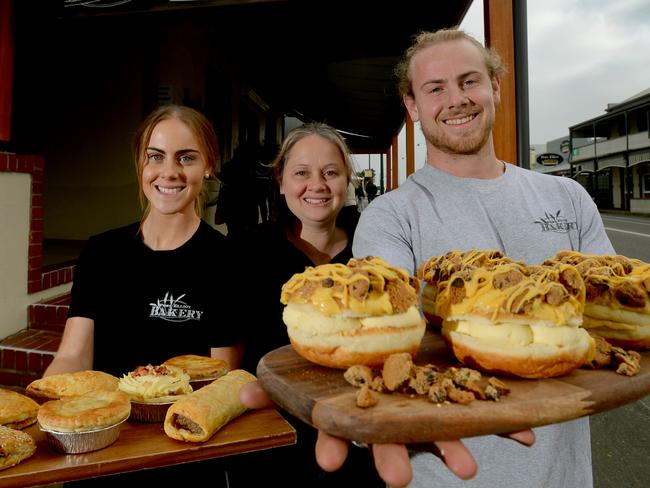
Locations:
(633, 221)
(627, 232)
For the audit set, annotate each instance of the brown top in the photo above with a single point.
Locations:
(92, 411)
(199, 367)
(69, 384)
(16, 411)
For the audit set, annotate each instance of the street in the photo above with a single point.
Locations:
(630, 235)
(620, 438)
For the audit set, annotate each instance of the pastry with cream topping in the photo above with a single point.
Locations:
(340, 315)
(155, 384)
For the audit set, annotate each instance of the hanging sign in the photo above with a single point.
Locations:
(549, 159)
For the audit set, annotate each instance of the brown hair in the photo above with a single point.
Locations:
(423, 40)
(202, 129)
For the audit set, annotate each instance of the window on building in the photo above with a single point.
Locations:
(645, 186)
(603, 179)
(639, 120)
(620, 124)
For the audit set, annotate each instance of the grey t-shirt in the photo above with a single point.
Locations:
(528, 216)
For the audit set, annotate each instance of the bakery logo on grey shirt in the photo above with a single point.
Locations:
(173, 309)
(556, 223)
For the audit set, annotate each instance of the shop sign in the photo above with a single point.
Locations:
(549, 159)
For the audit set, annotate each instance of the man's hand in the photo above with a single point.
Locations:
(391, 460)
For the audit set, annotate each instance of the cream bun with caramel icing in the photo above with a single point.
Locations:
(502, 316)
(617, 304)
(340, 315)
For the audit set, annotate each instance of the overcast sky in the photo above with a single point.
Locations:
(582, 55)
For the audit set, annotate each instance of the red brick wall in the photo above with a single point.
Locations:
(37, 280)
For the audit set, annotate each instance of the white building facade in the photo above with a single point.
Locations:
(610, 155)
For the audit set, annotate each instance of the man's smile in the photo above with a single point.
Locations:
(461, 120)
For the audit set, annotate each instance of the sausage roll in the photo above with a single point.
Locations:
(197, 416)
(15, 446)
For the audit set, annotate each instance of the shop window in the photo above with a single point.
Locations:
(603, 179)
(645, 185)
(640, 119)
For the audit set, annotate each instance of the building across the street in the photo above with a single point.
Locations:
(610, 155)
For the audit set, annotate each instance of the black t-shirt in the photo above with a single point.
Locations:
(148, 306)
(272, 260)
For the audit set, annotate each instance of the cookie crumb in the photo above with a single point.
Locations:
(358, 375)
(477, 391)
(627, 363)
(454, 385)
(422, 377)
(437, 393)
(460, 396)
(366, 397)
(499, 385)
(377, 384)
(397, 370)
(462, 376)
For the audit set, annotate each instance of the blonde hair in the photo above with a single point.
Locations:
(202, 129)
(494, 64)
(320, 129)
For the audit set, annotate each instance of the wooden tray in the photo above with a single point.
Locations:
(321, 397)
(145, 445)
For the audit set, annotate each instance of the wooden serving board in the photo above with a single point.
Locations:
(145, 445)
(321, 397)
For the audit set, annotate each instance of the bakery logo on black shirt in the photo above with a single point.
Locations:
(173, 309)
(556, 223)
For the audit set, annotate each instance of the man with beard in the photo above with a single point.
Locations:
(466, 198)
